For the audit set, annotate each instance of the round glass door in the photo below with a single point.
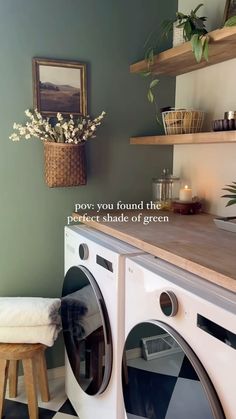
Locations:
(86, 330)
(163, 378)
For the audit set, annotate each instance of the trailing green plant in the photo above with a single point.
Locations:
(194, 30)
(232, 194)
(151, 92)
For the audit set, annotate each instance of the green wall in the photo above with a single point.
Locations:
(108, 36)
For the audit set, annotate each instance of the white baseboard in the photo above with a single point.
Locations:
(53, 374)
(58, 372)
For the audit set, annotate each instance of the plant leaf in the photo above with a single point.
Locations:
(187, 30)
(180, 16)
(197, 8)
(145, 73)
(147, 52)
(231, 202)
(206, 49)
(166, 28)
(153, 83)
(158, 120)
(197, 47)
(150, 57)
(150, 96)
(181, 25)
(150, 36)
(198, 24)
(194, 41)
(229, 196)
(230, 22)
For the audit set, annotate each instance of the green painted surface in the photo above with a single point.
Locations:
(108, 35)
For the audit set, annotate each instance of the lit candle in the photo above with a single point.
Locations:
(185, 194)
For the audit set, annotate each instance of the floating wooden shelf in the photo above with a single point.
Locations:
(180, 60)
(198, 138)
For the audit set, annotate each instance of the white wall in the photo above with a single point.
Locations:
(208, 167)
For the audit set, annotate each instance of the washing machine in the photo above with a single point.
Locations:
(180, 346)
(92, 311)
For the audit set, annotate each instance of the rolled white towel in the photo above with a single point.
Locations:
(30, 334)
(29, 311)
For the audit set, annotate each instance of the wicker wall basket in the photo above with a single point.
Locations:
(64, 164)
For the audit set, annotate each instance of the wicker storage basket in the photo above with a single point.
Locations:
(64, 164)
(182, 121)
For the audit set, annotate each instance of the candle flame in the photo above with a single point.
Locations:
(186, 187)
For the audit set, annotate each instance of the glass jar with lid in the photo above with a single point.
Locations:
(163, 190)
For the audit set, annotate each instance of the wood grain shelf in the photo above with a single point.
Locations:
(180, 59)
(198, 138)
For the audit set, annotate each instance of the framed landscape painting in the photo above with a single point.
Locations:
(59, 86)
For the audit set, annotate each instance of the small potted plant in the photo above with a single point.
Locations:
(232, 194)
(192, 28)
(228, 223)
(64, 140)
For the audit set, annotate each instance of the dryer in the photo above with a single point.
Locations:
(180, 348)
(92, 312)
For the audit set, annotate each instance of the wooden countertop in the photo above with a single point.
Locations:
(192, 242)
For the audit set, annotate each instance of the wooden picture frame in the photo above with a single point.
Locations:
(59, 86)
(230, 9)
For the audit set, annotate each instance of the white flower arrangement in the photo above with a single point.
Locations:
(70, 131)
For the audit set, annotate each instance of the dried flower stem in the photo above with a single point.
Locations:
(71, 131)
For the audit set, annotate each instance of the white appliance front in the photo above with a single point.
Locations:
(180, 350)
(93, 321)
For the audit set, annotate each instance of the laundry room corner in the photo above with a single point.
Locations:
(117, 215)
(32, 215)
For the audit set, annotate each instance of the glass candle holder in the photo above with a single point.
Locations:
(185, 193)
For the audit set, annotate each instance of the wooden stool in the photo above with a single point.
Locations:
(33, 360)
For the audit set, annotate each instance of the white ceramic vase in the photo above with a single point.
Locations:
(178, 35)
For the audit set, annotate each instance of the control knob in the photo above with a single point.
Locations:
(83, 251)
(168, 303)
